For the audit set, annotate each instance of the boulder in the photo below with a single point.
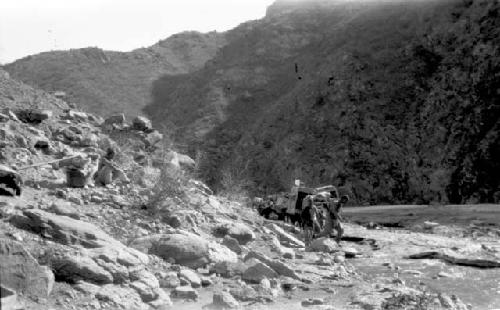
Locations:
(117, 119)
(278, 266)
(191, 277)
(185, 249)
(72, 267)
(168, 279)
(258, 271)
(228, 270)
(238, 231)
(21, 272)
(120, 296)
(286, 238)
(232, 244)
(224, 300)
(64, 208)
(324, 244)
(142, 123)
(184, 292)
(312, 302)
(153, 138)
(35, 116)
(63, 229)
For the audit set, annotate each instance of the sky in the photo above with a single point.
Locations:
(32, 26)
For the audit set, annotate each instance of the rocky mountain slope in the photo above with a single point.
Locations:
(106, 218)
(107, 82)
(396, 102)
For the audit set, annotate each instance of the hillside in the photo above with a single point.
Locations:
(395, 102)
(106, 82)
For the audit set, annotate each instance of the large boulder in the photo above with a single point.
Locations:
(63, 229)
(35, 116)
(238, 231)
(224, 300)
(183, 249)
(21, 272)
(72, 267)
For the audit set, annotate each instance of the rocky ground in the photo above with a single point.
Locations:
(139, 233)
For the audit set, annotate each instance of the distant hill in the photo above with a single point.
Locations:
(395, 102)
(106, 82)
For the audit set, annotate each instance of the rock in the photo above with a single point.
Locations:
(162, 301)
(86, 287)
(63, 229)
(339, 259)
(278, 266)
(142, 123)
(224, 300)
(168, 279)
(206, 281)
(35, 116)
(65, 209)
(145, 291)
(72, 267)
(174, 221)
(184, 292)
(350, 252)
(257, 272)
(115, 120)
(238, 231)
(153, 138)
(285, 237)
(191, 276)
(10, 181)
(185, 249)
(228, 269)
(124, 297)
(220, 253)
(232, 244)
(21, 272)
(324, 244)
(412, 272)
(312, 302)
(430, 225)
(475, 260)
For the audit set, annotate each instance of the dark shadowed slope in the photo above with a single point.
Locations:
(393, 101)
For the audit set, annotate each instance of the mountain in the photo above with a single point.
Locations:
(107, 82)
(395, 102)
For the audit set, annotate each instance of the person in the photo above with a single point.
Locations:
(309, 218)
(334, 218)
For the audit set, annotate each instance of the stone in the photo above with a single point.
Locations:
(10, 181)
(339, 259)
(75, 266)
(120, 296)
(35, 116)
(238, 231)
(64, 208)
(142, 123)
(350, 252)
(174, 221)
(232, 244)
(86, 287)
(184, 292)
(229, 269)
(21, 272)
(278, 266)
(153, 138)
(224, 300)
(324, 244)
(257, 272)
(63, 229)
(191, 276)
(430, 225)
(312, 302)
(145, 291)
(286, 238)
(168, 279)
(117, 119)
(162, 302)
(185, 249)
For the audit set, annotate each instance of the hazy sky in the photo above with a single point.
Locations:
(32, 26)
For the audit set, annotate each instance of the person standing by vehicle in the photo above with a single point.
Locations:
(333, 218)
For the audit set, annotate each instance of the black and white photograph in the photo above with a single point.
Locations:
(249, 154)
